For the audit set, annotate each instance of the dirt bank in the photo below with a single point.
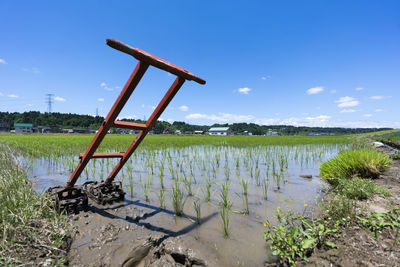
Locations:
(356, 246)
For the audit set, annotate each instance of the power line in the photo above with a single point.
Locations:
(49, 101)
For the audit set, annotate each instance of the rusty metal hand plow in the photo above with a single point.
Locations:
(73, 198)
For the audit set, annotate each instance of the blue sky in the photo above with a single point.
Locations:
(312, 63)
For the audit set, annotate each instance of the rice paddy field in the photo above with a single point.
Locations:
(226, 186)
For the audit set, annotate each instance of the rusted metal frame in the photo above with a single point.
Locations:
(104, 155)
(128, 125)
(153, 60)
(149, 124)
(126, 92)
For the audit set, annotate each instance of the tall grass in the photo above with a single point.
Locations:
(26, 219)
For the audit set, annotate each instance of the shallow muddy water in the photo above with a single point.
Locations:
(278, 166)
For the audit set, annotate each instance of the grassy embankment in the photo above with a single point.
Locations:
(31, 231)
(392, 139)
(349, 174)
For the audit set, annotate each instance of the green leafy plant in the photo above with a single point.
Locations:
(358, 188)
(375, 222)
(296, 236)
(395, 156)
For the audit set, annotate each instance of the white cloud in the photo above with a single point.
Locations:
(379, 97)
(320, 117)
(347, 101)
(315, 90)
(12, 96)
(184, 108)
(347, 110)
(59, 99)
(317, 121)
(265, 77)
(367, 115)
(170, 120)
(221, 117)
(100, 99)
(105, 87)
(1, 94)
(244, 90)
(2, 61)
(359, 88)
(379, 110)
(31, 70)
(333, 91)
(148, 106)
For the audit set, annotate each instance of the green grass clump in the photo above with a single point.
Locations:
(30, 227)
(363, 163)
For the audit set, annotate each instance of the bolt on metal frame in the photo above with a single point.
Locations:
(145, 60)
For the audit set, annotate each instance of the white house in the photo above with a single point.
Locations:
(219, 131)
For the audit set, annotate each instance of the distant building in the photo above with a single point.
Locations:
(167, 131)
(219, 131)
(81, 131)
(198, 132)
(316, 133)
(23, 127)
(4, 127)
(272, 132)
(247, 133)
(178, 132)
(134, 132)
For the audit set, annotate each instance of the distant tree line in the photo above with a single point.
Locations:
(69, 120)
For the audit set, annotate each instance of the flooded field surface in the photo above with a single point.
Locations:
(252, 182)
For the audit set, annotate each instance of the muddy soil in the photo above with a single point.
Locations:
(103, 238)
(357, 247)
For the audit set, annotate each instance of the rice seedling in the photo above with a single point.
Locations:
(146, 188)
(161, 197)
(265, 186)
(178, 200)
(207, 190)
(188, 185)
(227, 173)
(224, 213)
(131, 184)
(196, 207)
(224, 195)
(257, 177)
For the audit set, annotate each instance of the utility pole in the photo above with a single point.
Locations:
(97, 112)
(49, 101)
